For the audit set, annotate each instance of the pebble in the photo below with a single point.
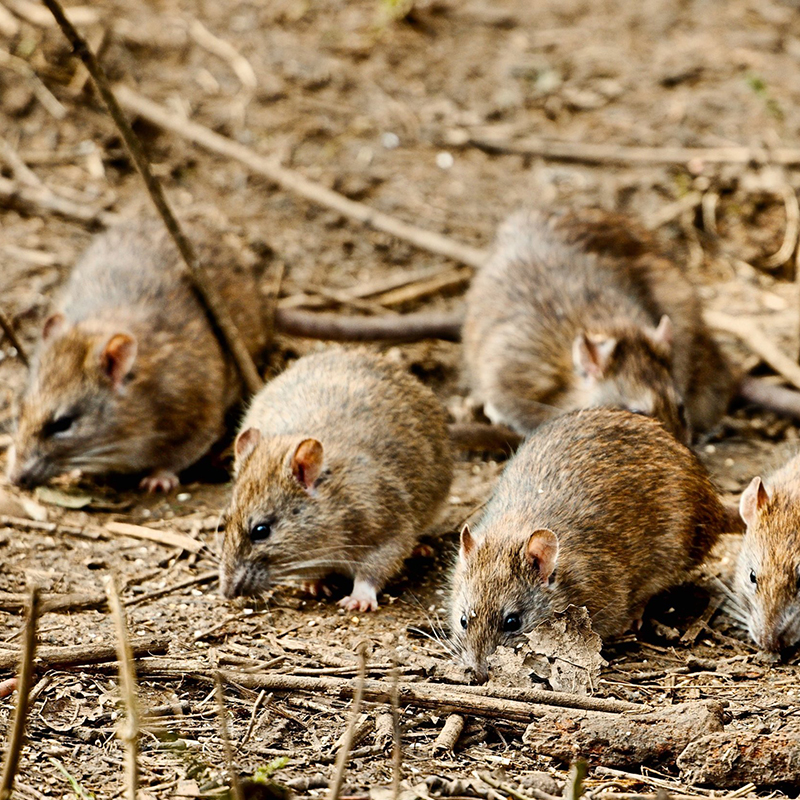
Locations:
(444, 160)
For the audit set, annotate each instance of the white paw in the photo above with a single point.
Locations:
(362, 598)
(161, 480)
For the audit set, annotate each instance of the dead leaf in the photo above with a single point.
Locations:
(572, 649)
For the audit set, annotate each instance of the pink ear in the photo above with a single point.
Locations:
(591, 355)
(541, 552)
(664, 332)
(246, 442)
(307, 462)
(53, 326)
(753, 499)
(118, 357)
(467, 541)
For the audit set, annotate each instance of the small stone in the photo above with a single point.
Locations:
(444, 160)
(390, 141)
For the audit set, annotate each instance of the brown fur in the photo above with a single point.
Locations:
(553, 276)
(386, 470)
(169, 409)
(771, 552)
(632, 510)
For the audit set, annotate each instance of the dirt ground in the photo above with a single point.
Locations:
(380, 100)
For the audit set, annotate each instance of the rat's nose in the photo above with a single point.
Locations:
(25, 478)
(480, 674)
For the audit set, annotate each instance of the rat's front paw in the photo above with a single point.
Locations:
(161, 480)
(362, 598)
(315, 588)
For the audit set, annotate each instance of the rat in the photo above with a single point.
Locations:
(767, 580)
(600, 508)
(342, 461)
(129, 376)
(581, 309)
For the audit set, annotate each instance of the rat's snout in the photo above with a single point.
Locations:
(241, 580)
(27, 473)
(479, 674)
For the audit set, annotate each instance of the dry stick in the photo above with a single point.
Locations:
(129, 732)
(347, 744)
(450, 733)
(25, 681)
(233, 775)
(511, 792)
(294, 182)
(335, 327)
(19, 168)
(43, 94)
(792, 230)
(80, 655)
(53, 602)
(217, 311)
(585, 153)
(751, 335)
(397, 744)
(8, 330)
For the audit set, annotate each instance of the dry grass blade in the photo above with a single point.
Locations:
(128, 732)
(218, 314)
(347, 744)
(167, 538)
(573, 789)
(233, 775)
(792, 230)
(397, 744)
(25, 680)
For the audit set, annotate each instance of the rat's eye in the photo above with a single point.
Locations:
(58, 425)
(511, 623)
(464, 621)
(260, 532)
(753, 578)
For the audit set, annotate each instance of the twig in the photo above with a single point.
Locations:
(44, 199)
(250, 725)
(167, 538)
(218, 313)
(19, 168)
(337, 780)
(9, 27)
(43, 94)
(22, 524)
(226, 51)
(294, 182)
(397, 743)
(206, 577)
(80, 655)
(792, 229)
(480, 436)
(336, 327)
(8, 330)
(586, 153)
(450, 733)
(25, 681)
(233, 775)
(674, 210)
(51, 603)
(453, 279)
(128, 733)
(511, 791)
(752, 336)
(32, 12)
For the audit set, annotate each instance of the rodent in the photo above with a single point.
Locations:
(342, 461)
(580, 308)
(600, 508)
(767, 580)
(129, 375)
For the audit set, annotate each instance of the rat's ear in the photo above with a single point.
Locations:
(53, 326)
(753, 499)
(591, 355)
(541, 553)
(117, 358)
(245, 443)
(664, 333)
(306, 463)
(468, 542)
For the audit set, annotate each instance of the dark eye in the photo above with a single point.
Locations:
(511, 623)
(464, 621)
(260, 532)
(58, 425)
(753, 578)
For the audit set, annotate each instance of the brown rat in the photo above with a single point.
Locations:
(341, 463)
(599, 508)
(767, 582)
(579, 309)
(129, 376)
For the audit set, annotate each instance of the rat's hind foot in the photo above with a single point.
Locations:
(362, 598)
(315, 588)
(422, 551)
(160, 480)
